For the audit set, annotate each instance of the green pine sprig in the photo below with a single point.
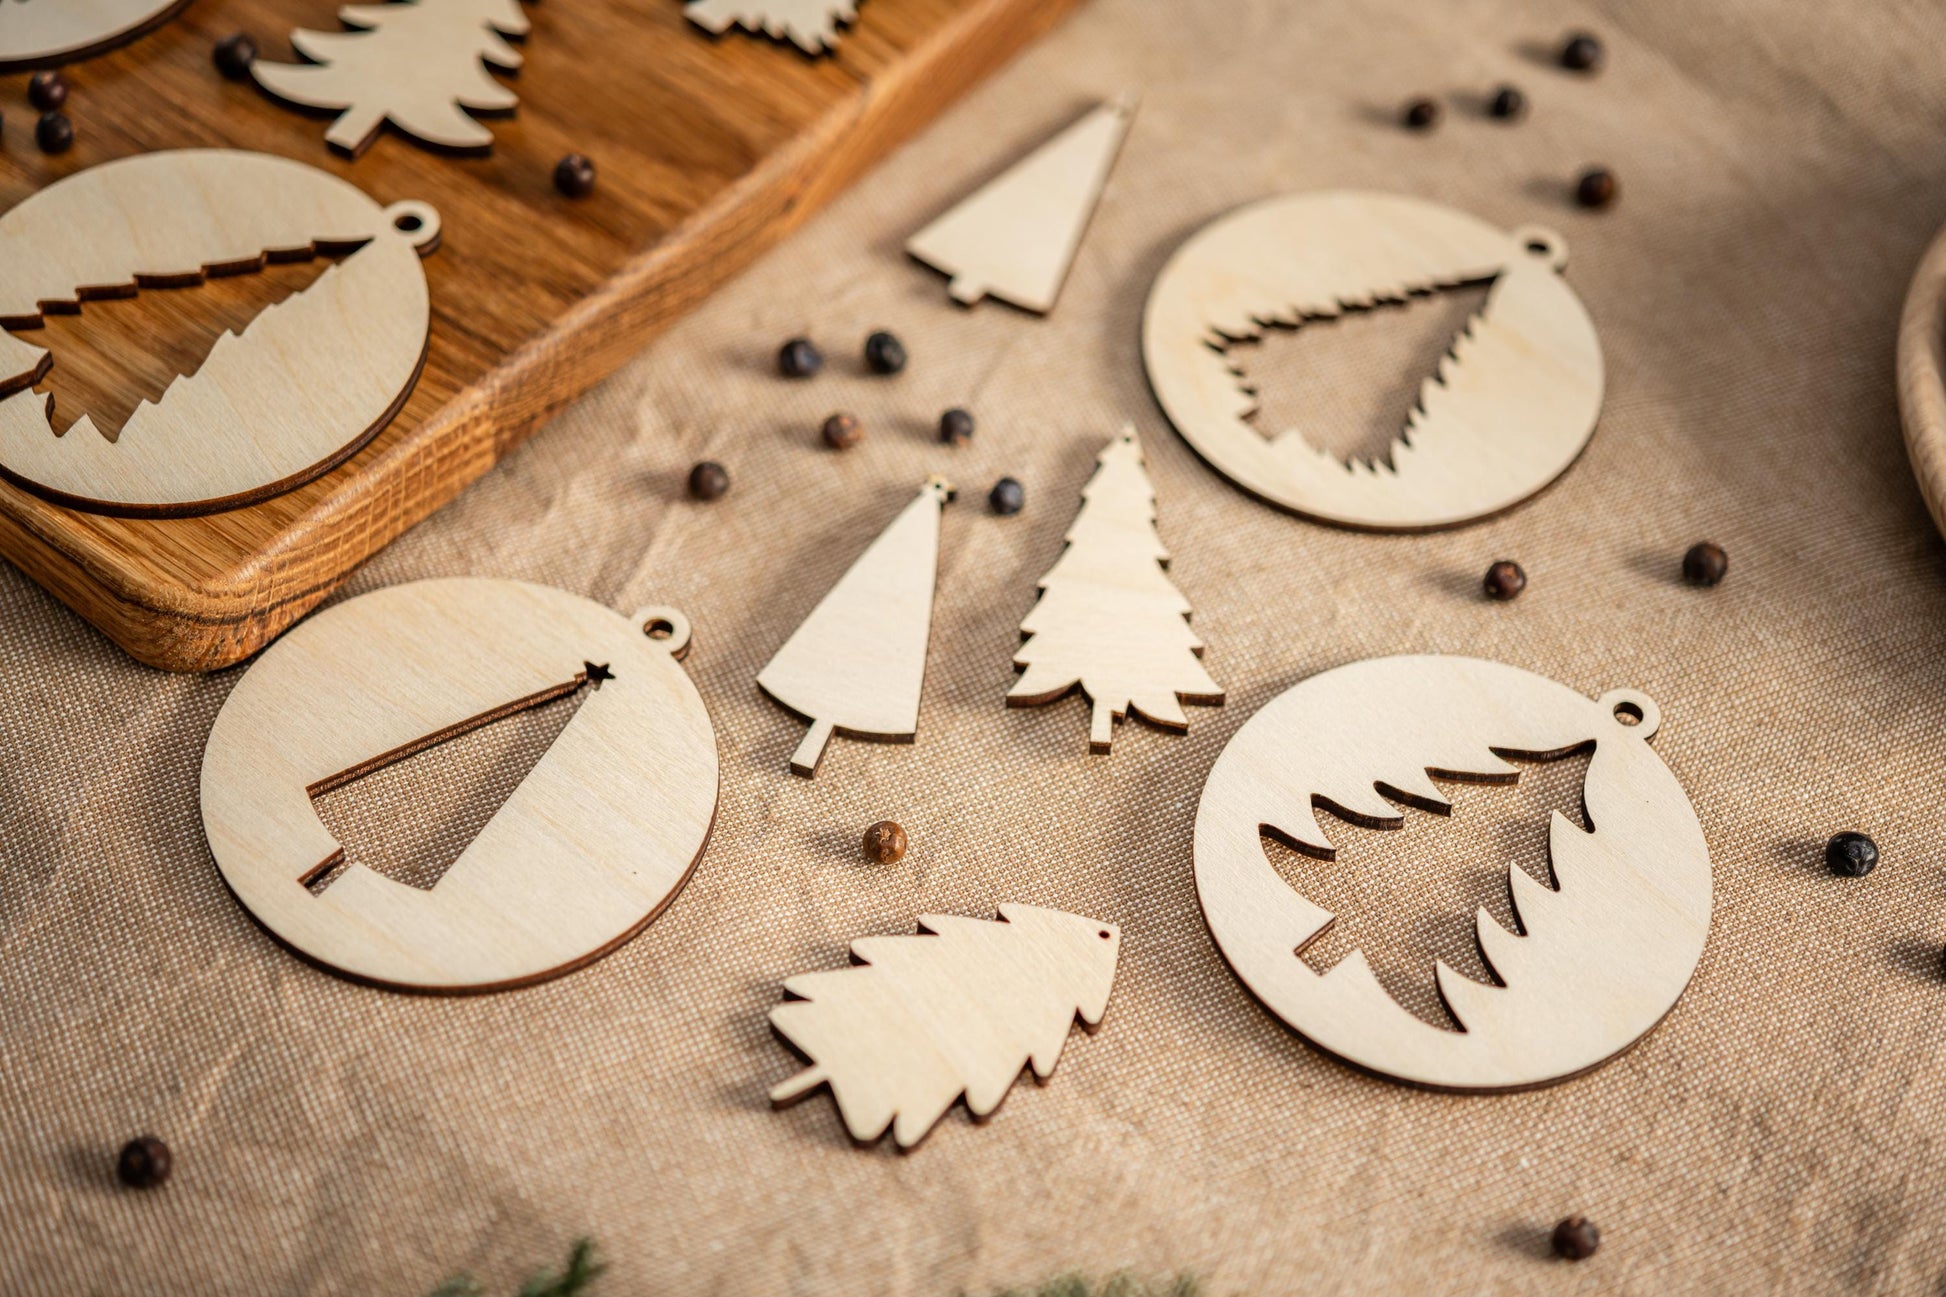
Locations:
(574, 1281)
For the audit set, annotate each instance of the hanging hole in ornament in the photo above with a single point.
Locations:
(1543, 244)
(667, 627)
(1632, 711)
(418, 222)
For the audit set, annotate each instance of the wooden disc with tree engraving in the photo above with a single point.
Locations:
(308, 381)
(47, 33)
(1504, 412)
(1599, 956)
(592, 844)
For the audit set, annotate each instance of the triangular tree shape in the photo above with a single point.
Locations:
(1016, 237)
(1108, 619)
(856, 664)
(415, 63)
(921, 1020)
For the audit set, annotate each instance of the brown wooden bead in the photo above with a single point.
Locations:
(709, 480)
(1504, 580)
(1581, 53)
(1576, 1239)
(143, 1162)
(1422, 114)
(842, 432)
(885, 843)
(574, 175)
(234, 54)
(956, 427)
(1597, 188)
(1705, 564)
(47, 91)
(54, 132)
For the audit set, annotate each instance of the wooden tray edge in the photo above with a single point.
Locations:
(210, 626)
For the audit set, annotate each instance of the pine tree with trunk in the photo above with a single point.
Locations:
(856, 665)
(961, 1008)
(415, 63)
(1109, 621)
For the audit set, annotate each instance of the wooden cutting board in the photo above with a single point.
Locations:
(709, 150)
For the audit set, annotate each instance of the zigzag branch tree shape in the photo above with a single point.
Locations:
(1425, 419)
(1600, 958)
(1507, 409)
(812, 25)
(303, 386)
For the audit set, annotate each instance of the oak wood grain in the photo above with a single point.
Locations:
(709, 150)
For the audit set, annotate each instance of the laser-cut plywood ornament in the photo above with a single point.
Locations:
(592, 844)
(1601, 957)
(1508, 410)
(856, 665)
(812, 25)
(919, 1021)
(306, 384)
(1016, 237)
(46, 33)
(419, 64)
(1108, 621)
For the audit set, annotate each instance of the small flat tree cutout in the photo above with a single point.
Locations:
(960, 1009)
(812, 25)
(1108, 620)
(420, 64)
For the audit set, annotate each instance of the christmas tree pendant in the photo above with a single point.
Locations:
(48, 33)
(917, 1022)
(1109, 622)
(1510, 407)
(1600, 958)
(592, 844)
(811, 25)
(1016, 237)
(419, 64)
(857, 663)
(307, 383)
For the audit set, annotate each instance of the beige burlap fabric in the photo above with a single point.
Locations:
(1782, 166)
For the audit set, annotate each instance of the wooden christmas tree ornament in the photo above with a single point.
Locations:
(811, 25)
(590, 847)
(307, 383)
(920, 1021)
(419, 64)
(1016, 237)
(1512, 403)
(1109, 622)
(1601, 956)
(45, 33)
(857, 663)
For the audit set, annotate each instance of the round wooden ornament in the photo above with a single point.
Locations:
(45, 33)
(301, 389)
(1601, 957)
(1511, 406)
(590, 847)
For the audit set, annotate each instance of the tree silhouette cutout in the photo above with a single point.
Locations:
(417, 63)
